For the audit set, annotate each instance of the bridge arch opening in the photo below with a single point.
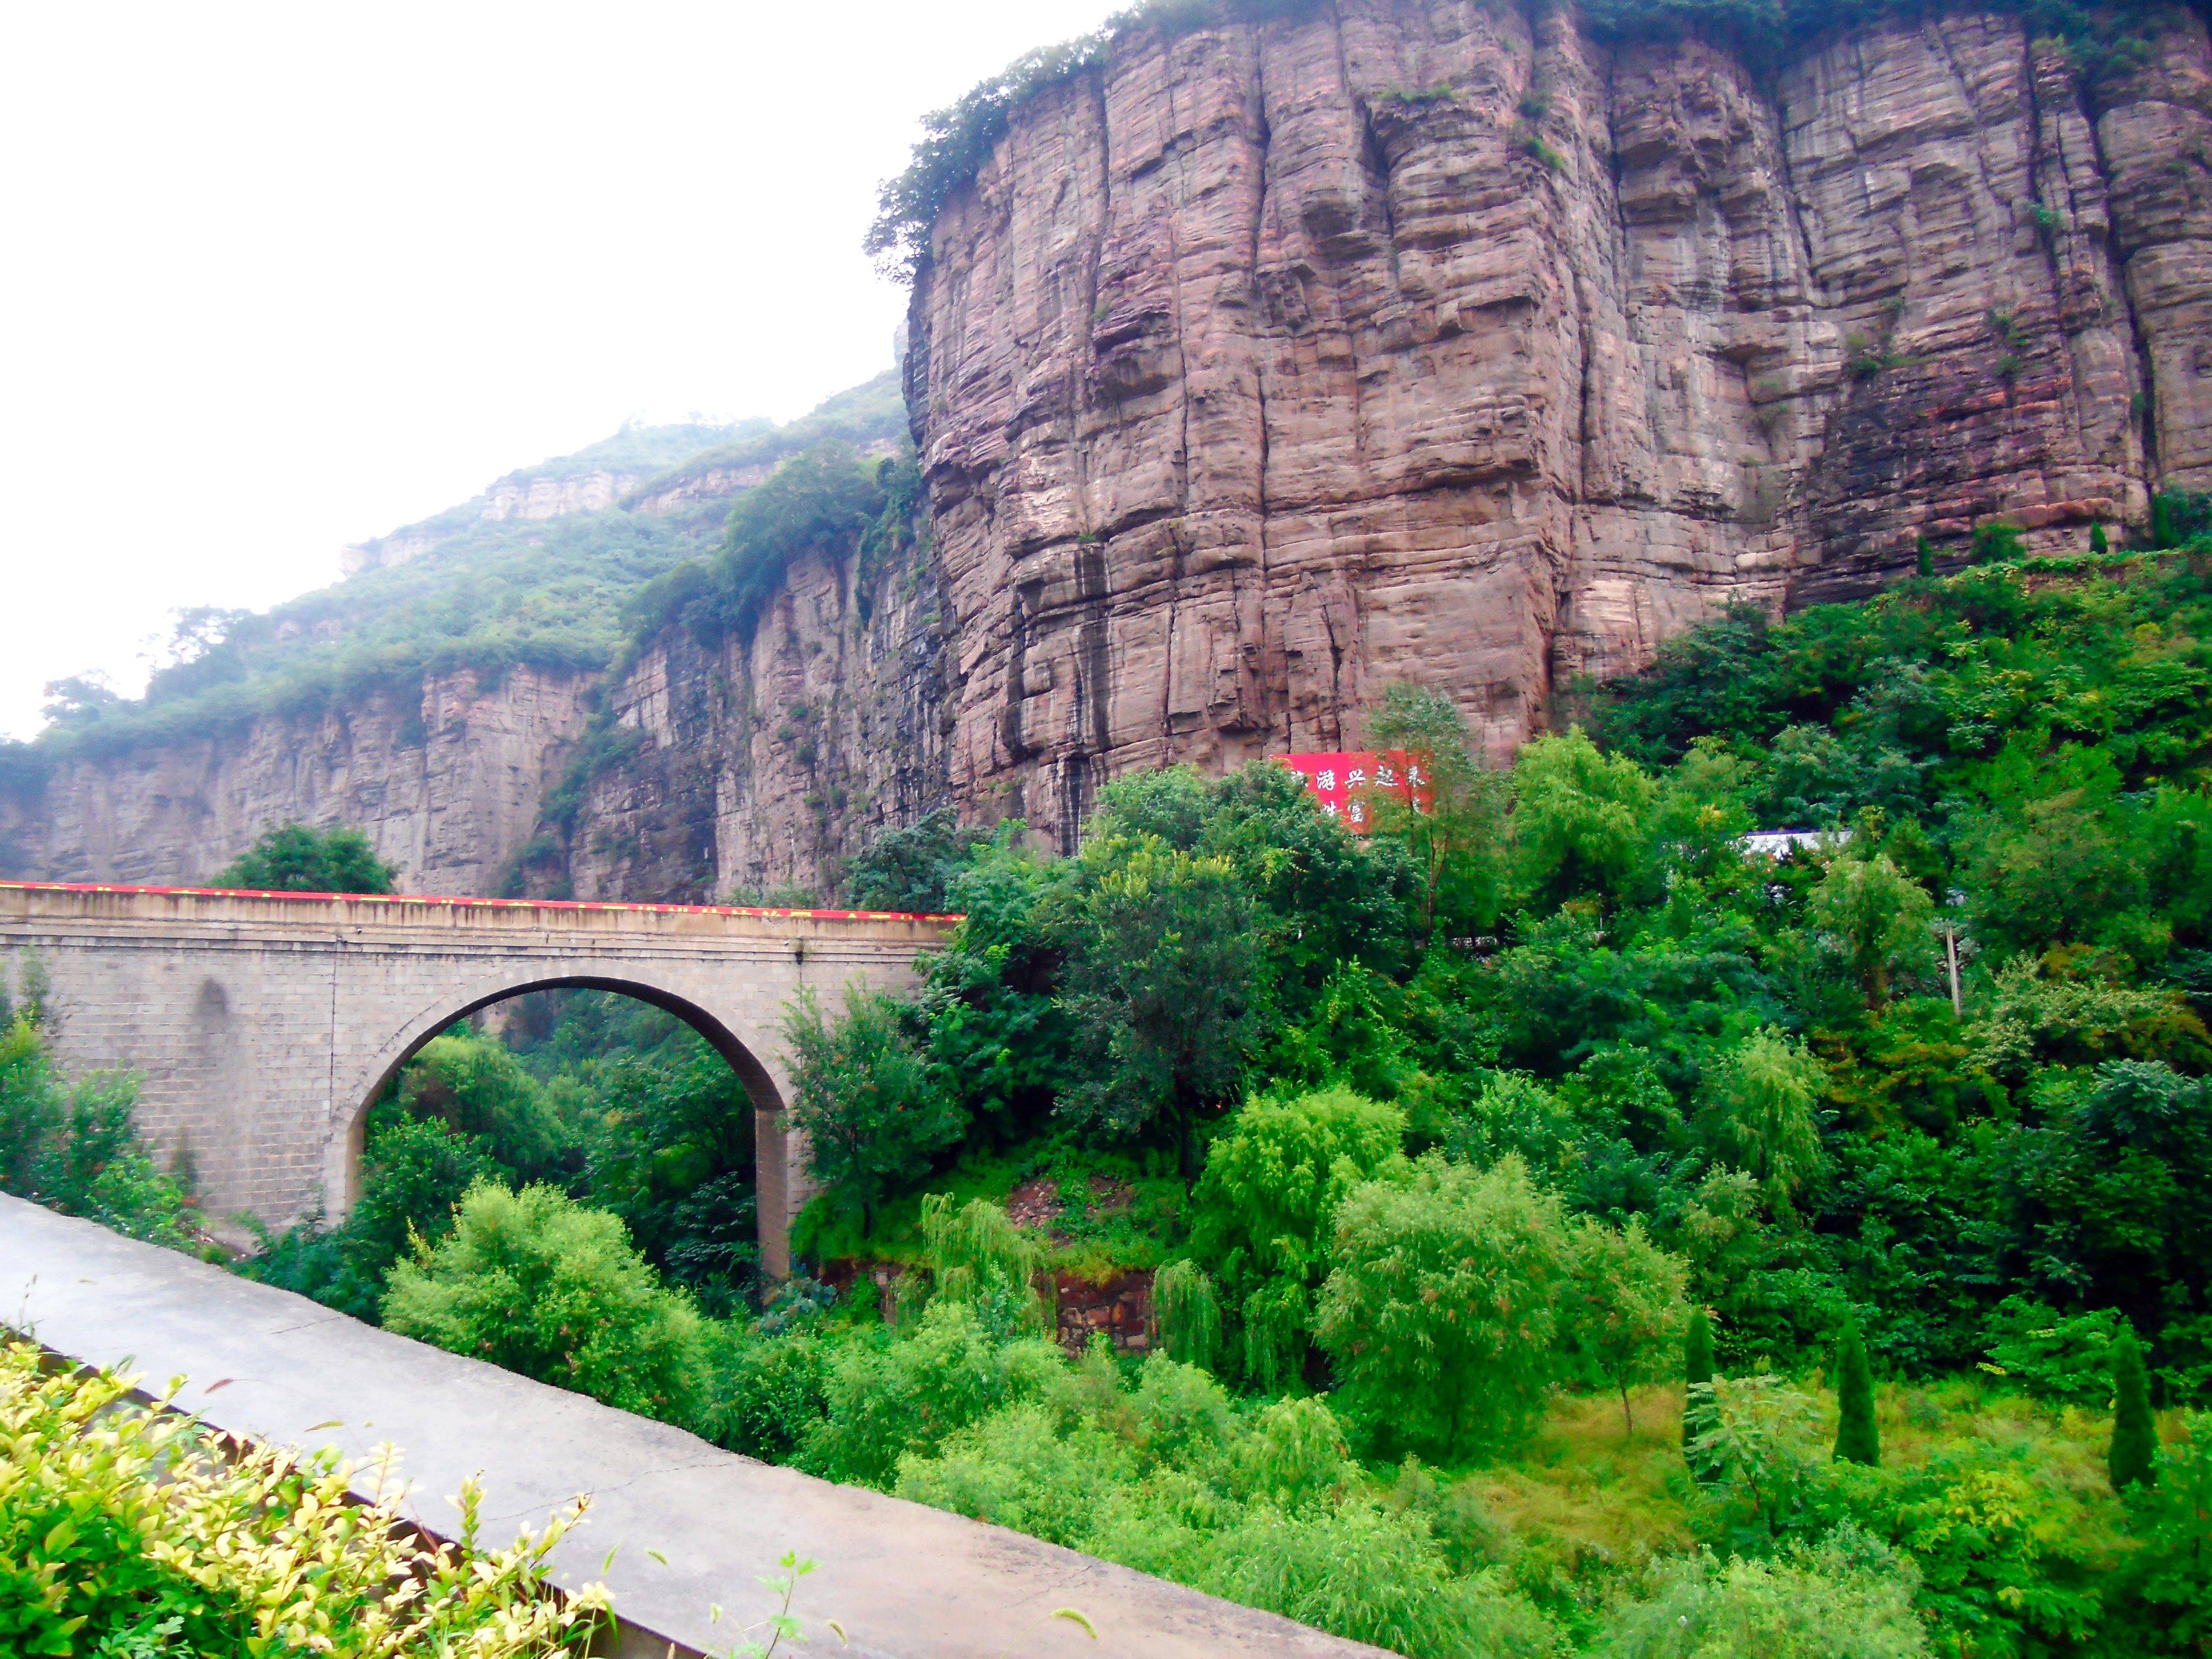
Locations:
(684, 1138)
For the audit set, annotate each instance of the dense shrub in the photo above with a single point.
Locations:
(1848, 1598)
(72, 1147)
(537, 1283)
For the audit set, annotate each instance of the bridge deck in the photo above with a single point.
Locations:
(901, 1579)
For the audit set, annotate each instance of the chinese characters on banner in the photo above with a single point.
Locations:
(1347, 785)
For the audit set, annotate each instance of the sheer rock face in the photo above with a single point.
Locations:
(1265, 366)
(763, 759)
(445, 786)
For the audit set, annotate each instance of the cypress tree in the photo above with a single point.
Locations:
(2098, 543)
(1924, 553)
(2134, 1437)
(1858, 1439)
(1697, 1367)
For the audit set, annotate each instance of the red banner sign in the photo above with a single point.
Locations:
(1347, 785)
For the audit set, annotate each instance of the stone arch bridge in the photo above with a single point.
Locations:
(262, 1024)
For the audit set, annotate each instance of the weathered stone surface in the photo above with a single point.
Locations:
(765, 758)
(1263, 366)
(263, 1025)
(446, 786)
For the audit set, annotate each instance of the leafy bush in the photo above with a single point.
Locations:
(890, 1398)
(72, 1146)
(294, 859)
(126, 1530)
(2054, 1356)
(1845, 1598)
(537, 1283)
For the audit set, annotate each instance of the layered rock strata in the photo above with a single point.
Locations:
(763, 758)
(1435, 340)
(446, 784)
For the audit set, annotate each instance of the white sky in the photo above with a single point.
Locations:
(281, 277)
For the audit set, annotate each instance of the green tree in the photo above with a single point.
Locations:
(536, 1283)
(1442, 1312)
(1858, 1437)
(1454, 841)
(1878, 916)
(873, 1108)
(1579, 816)
(294, 859)
(1698, 1380)
(911, 868)
(1265, 1211)
(1623, 1314)
(2134, 1435)
(1758, 1111)
(1163, 989)
(474, 1085)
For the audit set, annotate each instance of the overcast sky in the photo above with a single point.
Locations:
(280, 278)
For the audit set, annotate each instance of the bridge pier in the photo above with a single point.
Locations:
(262, 1024)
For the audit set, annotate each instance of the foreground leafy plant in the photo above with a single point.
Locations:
(126, 1529)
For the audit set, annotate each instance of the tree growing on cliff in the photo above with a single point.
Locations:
(910, 869)
(294, 859)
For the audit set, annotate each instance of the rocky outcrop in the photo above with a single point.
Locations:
(446, 784)
(1433, 339)
(750, 761)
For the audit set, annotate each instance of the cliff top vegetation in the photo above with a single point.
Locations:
(957, 140)
(494, 595)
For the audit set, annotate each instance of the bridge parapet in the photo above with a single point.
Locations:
(263, 1023)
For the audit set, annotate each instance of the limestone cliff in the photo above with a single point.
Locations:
(445, 785)
(764, 757)
(1435, 339)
